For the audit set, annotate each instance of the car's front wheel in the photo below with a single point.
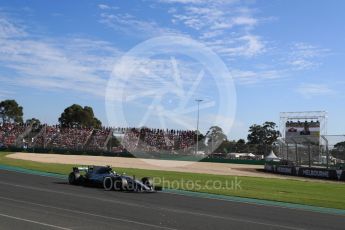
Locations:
(108, 183)
(147, 181)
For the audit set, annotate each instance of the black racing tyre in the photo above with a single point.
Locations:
(108, 183)
(120, 184)
(73, 178)
(147, 181)
(81, 180)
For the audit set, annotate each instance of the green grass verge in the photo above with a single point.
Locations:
(315, 193)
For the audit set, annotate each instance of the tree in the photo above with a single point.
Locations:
(34, 122)
(77, 116)
(10, 111)
(214, 137)
(241, 146)
(263, 136)
(340, 146)
(226, 147)
(339, 150)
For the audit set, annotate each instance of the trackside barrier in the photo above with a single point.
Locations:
(67, 152)
(319, 173)
(128, 154)
(234, 161)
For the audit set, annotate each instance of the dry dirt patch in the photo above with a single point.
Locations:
(153, 164)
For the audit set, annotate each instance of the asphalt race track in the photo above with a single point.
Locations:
(37, 202)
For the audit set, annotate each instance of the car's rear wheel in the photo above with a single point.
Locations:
(75, 178)
(71, 178)
(120, 184)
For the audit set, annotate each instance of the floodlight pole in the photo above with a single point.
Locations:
(197, 127)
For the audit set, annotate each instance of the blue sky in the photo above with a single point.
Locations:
(281, 56)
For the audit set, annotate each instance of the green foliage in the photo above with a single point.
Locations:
(226, 147)
(10, 112)
(34, 122)
(239, 146)
(77, 116)
(214, 138)
(340, 146)
(339, 150)
(263, 136)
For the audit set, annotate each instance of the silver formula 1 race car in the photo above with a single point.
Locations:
(104, 176)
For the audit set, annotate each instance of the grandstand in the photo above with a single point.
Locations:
(53, 137)
(153, 142)
(87, 139)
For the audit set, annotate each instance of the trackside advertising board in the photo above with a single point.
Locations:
(320, 173)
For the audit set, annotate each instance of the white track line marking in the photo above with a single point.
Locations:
(255, 204)
(149, 207)
(89, 214)
(34, 222)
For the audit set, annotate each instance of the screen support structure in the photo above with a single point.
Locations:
(308, 144)
(320, 116)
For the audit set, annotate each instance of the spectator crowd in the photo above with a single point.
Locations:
(98, 139)
(69, 138)
(9, 133)
(75, 138)
(78, 138)
(152, 140)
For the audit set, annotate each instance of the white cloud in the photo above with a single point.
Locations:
(301, 64)
(244, 20)
(249, 77)
(170, 85)
(247, 45)
(228, 22)
(157, 76)
(305, 56)
(103, 6)
(8, 29)
(215, 18)
(129, 24)
(107, 7)
(227, 27)
(310, 90)
(224, 25)
(5, 94)
(79, 64)
(184, 1)
(196, 2)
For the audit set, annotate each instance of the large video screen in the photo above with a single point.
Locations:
(302, 131)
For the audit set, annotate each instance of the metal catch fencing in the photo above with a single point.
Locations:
(328, 153)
